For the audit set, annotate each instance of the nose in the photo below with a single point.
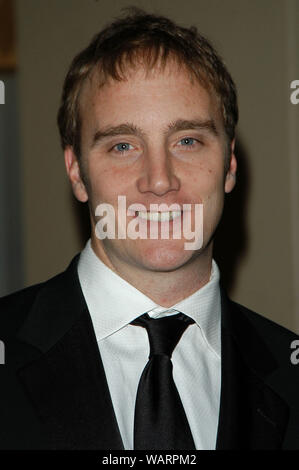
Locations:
(158, 175)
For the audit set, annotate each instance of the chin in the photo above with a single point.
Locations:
(164, 257)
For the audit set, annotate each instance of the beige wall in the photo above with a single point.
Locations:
(258, 40)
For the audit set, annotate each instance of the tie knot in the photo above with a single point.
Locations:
(163, 333)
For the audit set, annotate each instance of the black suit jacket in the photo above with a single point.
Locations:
(54, 393)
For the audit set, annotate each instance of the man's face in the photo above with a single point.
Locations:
(156, 138)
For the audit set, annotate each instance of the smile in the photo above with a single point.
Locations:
(158, 216)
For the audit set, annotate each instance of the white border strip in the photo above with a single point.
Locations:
(293, 150)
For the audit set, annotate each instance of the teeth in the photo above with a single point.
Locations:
(158, 216)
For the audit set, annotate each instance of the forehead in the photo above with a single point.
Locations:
(159, 92)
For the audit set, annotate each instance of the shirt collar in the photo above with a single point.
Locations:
(113, 303)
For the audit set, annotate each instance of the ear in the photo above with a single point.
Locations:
(74, 174)
(230, 178)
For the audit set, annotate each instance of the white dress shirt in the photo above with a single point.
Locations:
(113, 303)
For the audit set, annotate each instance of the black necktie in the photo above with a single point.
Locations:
(160, 422)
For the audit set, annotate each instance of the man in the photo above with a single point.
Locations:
(148, 113)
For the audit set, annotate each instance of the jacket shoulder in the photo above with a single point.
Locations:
(265, 323)
(14, 307)
(278, 338)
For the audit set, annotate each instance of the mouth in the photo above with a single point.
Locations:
(158, 216)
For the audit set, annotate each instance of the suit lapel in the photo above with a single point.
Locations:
(66, 382)
(252, 415)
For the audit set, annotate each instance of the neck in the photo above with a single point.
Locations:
(165, 288)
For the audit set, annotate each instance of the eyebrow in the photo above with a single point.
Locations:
(176, 126)
(201, 124)
(126, 128)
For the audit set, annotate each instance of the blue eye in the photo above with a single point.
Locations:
(122, 147)
(187, 141)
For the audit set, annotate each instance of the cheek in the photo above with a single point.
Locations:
(107, 184)
(208, 181)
